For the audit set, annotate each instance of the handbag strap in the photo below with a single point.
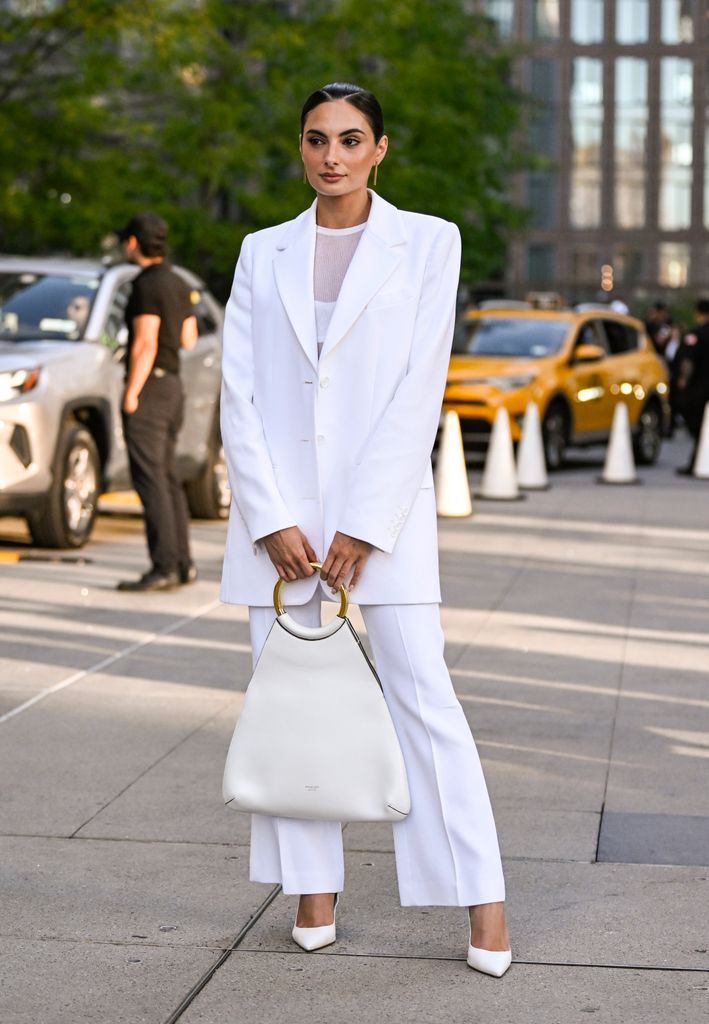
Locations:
(278, 604)
(310, 632)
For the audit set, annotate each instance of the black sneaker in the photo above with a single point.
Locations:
(151, 581)
(188, 575)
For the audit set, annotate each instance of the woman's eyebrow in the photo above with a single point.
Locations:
(348, 131)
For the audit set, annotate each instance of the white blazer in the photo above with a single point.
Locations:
(343, 442)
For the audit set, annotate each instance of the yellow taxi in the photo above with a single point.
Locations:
(575, 364)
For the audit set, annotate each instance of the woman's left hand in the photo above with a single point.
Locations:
(346, 553)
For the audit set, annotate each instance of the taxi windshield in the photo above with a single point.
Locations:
(522, 337)
(41, 307)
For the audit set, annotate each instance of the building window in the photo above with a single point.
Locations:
(587, 21)
(586, 265)
(540, 265)
(544, 87)
(631, 21)
(675, 143)
(677, 21)
(545, 20)
(706, 144)
(502, 13)
(586, 111)
(706, 173)
(631, 117)
(674, 264)
(628, 264)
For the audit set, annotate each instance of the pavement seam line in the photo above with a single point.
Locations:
(621, 676)
(76, 677)
(461, 959)
(145, 771)
(207, 976)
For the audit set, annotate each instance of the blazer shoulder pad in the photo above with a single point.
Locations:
(269, 236)
(425, 225)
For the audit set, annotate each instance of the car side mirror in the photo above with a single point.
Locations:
(588, 353)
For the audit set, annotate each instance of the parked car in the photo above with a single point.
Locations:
(62, 365)
(575, 365)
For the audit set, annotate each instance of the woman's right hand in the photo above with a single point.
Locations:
(291, 553)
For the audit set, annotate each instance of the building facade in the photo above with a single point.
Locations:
(620, 121)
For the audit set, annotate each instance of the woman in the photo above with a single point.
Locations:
(336, 346)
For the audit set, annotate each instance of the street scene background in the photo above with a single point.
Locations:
(570, 143)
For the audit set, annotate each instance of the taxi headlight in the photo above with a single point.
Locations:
(17, 382)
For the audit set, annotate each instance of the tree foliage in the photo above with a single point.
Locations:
(191, 107)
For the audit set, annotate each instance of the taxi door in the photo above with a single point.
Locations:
(588, 383)
(625, 377)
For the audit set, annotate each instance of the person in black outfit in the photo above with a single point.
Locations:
(659, 326)
(160, 322)
(692, 382)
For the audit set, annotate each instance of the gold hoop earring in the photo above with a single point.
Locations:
(376, 171)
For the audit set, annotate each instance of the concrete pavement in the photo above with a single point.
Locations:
(576, 626)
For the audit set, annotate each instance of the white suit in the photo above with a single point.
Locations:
(343, 443)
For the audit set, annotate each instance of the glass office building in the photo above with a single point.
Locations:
(620, 110)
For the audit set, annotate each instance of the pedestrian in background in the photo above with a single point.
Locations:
(337, 340)
(160, 321)
(691, 386)
(661, 330)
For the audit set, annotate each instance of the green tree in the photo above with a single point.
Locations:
(192, 108)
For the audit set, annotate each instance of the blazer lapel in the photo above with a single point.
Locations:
(376, 257)
(293, 270)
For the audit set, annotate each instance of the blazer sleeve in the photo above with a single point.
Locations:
(251, 476)
(388, 477)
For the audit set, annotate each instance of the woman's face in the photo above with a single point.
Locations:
(338, 148)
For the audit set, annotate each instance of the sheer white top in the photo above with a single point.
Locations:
(334, 249)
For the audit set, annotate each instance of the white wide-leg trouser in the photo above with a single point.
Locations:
(446, 849)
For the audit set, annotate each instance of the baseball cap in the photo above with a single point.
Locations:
(149, 228)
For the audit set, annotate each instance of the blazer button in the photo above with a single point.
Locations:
(325, 382)
(320, 438)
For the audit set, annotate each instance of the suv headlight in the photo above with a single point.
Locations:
(502, 383)
(17, 382)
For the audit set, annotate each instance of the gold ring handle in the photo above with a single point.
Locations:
(278, 604)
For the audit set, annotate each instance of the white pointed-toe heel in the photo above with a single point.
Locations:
(489, 961)
(310, 939)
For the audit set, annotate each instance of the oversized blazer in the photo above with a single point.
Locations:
(342, 442)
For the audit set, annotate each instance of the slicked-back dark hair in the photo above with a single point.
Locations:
(366, 102)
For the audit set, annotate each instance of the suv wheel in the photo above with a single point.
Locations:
(208, 495)
(67, 516)
(555, 434)
(648, 435)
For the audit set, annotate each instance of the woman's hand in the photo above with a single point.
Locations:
(291, 553)
(346, 553)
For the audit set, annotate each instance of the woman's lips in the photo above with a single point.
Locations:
(332, 177)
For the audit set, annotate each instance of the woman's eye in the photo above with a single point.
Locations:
(315, 142)
(351, 142)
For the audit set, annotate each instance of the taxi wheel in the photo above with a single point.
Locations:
(555, 432)
(648, 435)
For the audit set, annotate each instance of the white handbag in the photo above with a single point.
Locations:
(315, 739)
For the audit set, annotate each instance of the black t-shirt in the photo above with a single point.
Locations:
(159, 291)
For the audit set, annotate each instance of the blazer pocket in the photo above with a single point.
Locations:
(399, 297)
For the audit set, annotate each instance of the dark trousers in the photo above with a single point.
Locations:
(151, 434)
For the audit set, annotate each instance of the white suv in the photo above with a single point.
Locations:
(62, 364)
